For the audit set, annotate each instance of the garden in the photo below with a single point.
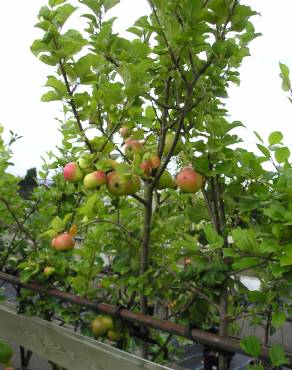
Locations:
(133, 240)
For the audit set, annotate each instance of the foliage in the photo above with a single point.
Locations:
(178, 254)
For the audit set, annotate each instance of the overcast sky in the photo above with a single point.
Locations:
(259, 102)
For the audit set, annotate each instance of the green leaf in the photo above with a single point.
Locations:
(264, 150)
(245, 263)
(277, 355)
(56, 84)
(251, 345)
(275, 138)
(258, 136)
(72, 42)
(38, 47)
(6, 353)
(245, 239)
(286, 84)
(53, 3)
(63, 13)
(214, 239)
(50, 96)
(93, 5)
(278, 319)
(282, 154)
(108, 4)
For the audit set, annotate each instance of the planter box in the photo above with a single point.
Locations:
(64, 347)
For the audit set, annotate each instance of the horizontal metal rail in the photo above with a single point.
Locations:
(200, 336)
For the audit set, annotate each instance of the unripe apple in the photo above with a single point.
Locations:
(165, 181)
(101, 325)
(155, 162)
(85, 164)
(147, 168)
(133, 147)
(118, 183)
(125, 132)
(48, 271)
(135, 184)
(114, 335)
(169, 139)
(189, 181)
(72, 172)
(63, 242)
(94, 180)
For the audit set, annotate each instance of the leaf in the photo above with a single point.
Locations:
(258, 136)
(275, 138)
(278, 319)
(108, 4)
(286, 84)
(50, 96)
(38, 47)
(56, 84)
(63, 13)
(264, 150)
(245, 239)
(277, 355)
(214, 239)
(92, 5)
(53, 3)
(245, 263)
(251, 345)
(71, 42)
(282, 154)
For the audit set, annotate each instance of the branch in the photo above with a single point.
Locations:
(194, 289)
(131, 233)
(173, 58)
(73, 106)
(163, 129)
(20, 226)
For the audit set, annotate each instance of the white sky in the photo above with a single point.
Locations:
(259, 102)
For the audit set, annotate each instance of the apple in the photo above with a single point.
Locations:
(135, 184)
(107, 321)
(133, 147)
(114, 335)
(168, 144)
(189, 181)
(94, 180)
(146, 168)
(101, 325)
(123, 184)
(165, 181)
(125, 132)
(118, 183)
(72, 172)
(63, 242)
(48, 271)
(155, 162)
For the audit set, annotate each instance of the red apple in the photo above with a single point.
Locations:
(94, 180)
(125, 132)
(72, 172)
(63, 242)
(169, 139)
(189, 181)
(155, 162)
(133, 147)
(146, 167)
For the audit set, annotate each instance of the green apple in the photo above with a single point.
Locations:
(169, 139)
